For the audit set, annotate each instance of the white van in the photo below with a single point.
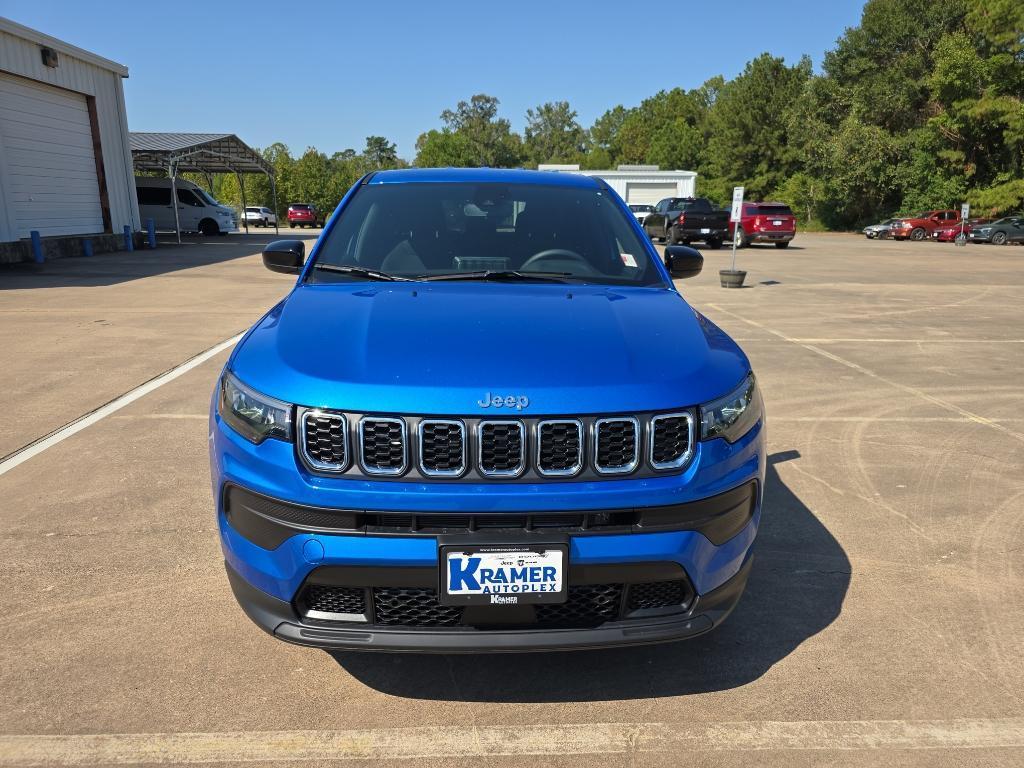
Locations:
(197, 211)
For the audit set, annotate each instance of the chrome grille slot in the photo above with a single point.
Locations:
(502, 448)
(383, 445)
(323, 440)
(560, 447)
(617, 445)
(671, 440)
(442, 448)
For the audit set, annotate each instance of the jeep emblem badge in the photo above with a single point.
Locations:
(519, 402)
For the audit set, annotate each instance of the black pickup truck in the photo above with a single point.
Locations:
(685, 219)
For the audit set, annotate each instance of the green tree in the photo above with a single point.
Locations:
(443, 149)
(489, 138)
(380, 153)
(552, 134)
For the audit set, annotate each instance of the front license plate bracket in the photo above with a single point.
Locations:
(503, 574)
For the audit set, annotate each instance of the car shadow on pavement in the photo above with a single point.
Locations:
(796, 589)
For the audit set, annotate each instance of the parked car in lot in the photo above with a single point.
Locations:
(765, 223)
(1009, 229)
(604, 489)
(304, 215)
(641, 211)
(879, 231)
(197, 211)
(260, 216)
(686, 220)
(922, 225)
(950, 233)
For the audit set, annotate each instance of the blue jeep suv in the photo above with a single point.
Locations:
(484, 419)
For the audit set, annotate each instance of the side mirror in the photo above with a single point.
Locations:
(285, 256)
(683, 262)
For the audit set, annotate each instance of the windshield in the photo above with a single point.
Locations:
(418, 230)
(202, 193)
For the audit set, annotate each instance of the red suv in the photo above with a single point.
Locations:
(765, 223)
(304, 215)
(920, 227)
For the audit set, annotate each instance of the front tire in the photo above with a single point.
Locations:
(917, 234)
(999, 238)
(208, 228)
(291, 225)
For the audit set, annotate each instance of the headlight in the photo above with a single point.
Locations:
(732, 416)
(252, 415)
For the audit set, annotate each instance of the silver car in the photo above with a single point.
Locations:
(879, 231)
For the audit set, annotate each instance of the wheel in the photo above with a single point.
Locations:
(670, 237)
(714, 243)
(264, 224)
(999, 238)
(291, 225)
(782, 244)
(741, 237)
(209, 227)
(917, 233)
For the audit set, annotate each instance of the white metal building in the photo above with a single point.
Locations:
(639, 184)
(65, 162)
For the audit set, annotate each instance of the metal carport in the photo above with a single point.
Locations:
(204, 153)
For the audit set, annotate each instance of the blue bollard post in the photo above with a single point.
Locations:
(37, 247)
(87, 246)
(151, 233)
(128, 245)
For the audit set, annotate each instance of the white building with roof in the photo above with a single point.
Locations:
(639, 184)
(65, 162)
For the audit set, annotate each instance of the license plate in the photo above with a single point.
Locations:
(777, 223)
(503, 575)
(705, 231)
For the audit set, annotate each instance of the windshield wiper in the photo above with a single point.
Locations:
(369, 274)
(501, 274)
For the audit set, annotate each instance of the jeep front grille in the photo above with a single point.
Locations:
(502, 448)
(382, 445)
(618, 445)
(671, 438)
(471, 449)
(560, 447)
(442, 448)
(324, 440)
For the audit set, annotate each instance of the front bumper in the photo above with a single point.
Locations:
(278, 618)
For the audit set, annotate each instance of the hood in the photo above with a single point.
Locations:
(439, 348)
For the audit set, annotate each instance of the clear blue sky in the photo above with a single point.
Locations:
(329, 74)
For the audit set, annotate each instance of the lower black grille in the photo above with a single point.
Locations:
(659, 594)
(442, 448)
(617, 444)
(670, 442)
(501, 448)
(325, 440)
(588, 605)
(383, 445)
(413, 607)
(560, 447)
(321, 598)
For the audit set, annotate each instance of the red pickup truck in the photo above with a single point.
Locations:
(765, 223)
(920, 227)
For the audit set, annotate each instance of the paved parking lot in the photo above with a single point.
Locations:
(882, 622)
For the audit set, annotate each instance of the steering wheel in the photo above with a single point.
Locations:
(557, 253)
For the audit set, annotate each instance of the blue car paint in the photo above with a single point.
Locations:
(366, 355)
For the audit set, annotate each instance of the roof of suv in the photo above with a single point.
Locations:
(470, 175)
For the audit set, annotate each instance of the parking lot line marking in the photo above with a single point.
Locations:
(60, 434)
(945, 404)
(508, 741)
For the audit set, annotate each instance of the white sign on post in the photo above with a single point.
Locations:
(965, 210)
(737, 204)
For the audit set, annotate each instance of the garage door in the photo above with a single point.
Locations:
(649, 193)
(50, 168)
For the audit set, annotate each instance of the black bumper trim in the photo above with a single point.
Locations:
(278, 618)
(268, 522)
